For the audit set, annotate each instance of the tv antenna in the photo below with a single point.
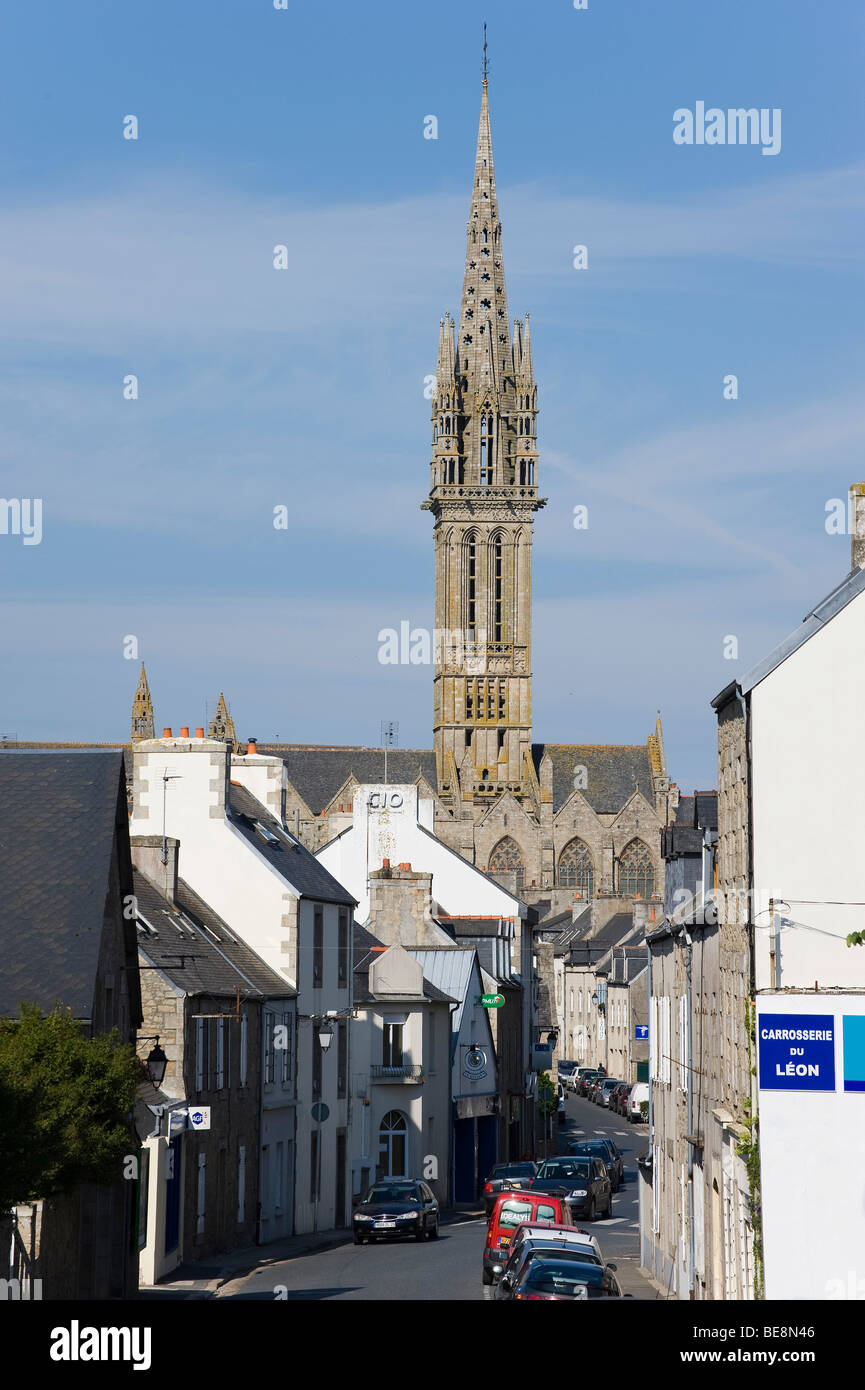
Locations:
(389, 739)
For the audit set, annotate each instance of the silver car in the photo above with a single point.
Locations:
(605, 1089)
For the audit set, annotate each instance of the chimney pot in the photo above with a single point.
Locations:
(166, 733)
(184, 732)
(199, 733)
(251, 748)
(385, 863)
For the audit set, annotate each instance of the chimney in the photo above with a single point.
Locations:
(184, 732)
(251, 746)
(400, 907)
(199, 733)
(166, 733)
(147, 852)
(856, 524)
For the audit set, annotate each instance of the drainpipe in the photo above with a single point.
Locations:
(689, 1120)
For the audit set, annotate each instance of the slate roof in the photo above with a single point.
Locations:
(317, 773)
(216, 961)
(692, 815)
(699, 810)
(471, 926)
(588, 950)
(366, 948)
(612, 770)
(59, 812)
(288, 856)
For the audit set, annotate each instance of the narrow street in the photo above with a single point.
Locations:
(450, 1268)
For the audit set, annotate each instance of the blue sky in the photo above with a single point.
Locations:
(305, 387)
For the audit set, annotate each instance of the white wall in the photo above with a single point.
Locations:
(812, 1157)
(808, 808)
(387, 825)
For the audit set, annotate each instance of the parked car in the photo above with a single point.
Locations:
(584, 1181)
(513, 1209)
(622, 1098)
(510, 1175)
(595, 1088)
(587, 1076)
(605, 1090)
(533, 1250)
(566, 1278)
(608, 1151)
(573, 1235)
(562, 1112)
(396, 1207)
(639, 1093)
(616, 1096)
(566, 1069)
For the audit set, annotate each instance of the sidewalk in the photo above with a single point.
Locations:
(201, 1280)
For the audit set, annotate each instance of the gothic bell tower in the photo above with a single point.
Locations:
(483, 496)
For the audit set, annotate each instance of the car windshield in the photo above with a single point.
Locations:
(392, 1192)
(564, 1168)
(561, 1276)
(581, 1253)
(590, 1146)
(513, 1170)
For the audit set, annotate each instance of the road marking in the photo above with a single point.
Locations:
(615, 1220)
(621, 1133)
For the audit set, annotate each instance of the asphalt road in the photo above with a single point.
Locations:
(620, 1234)
(450, 1268)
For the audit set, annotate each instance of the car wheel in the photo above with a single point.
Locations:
(590, 1215)
(358, 1240)
(434, 1233)
(487, 1276)
(372, 1239)
(609, 1210)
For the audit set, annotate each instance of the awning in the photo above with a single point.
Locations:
(469, 1106)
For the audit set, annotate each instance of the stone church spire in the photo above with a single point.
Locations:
(483, 495)
(222, 725)
(142, 710)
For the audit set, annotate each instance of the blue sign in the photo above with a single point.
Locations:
(854, 1052)
(641, 1032)
(796, 1052)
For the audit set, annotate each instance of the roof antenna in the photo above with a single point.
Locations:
(486, 64)
(389, 738)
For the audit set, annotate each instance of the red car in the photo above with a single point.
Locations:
(513, 1209)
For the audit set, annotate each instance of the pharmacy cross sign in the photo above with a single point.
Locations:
(796, 1052)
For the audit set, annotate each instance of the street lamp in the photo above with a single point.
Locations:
(325, 1034)
(156, 1061)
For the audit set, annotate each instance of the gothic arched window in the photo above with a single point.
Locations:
(471, 585)
(636, 872)
(507, 859)
(576, 869)
(497, 568)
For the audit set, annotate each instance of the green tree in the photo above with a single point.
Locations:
(548, 1096)
(64, 1105)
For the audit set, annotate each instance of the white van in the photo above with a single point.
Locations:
(639, 1092)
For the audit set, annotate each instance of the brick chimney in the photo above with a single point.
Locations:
(856, 516)
(400, 903)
